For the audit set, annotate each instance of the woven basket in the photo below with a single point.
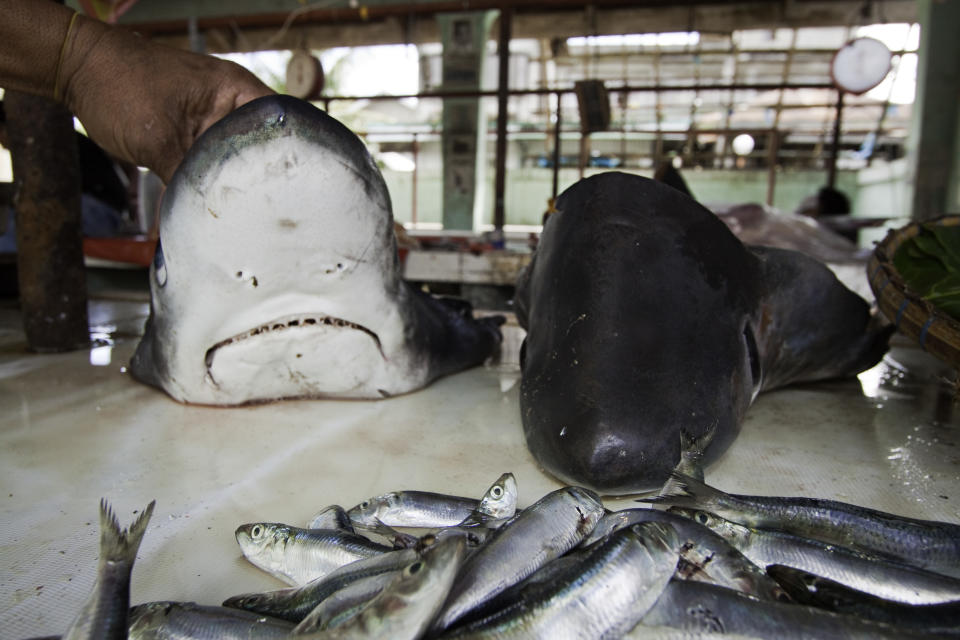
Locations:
(935, 331)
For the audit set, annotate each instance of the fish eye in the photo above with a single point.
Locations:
(365, 504)
(159, 266)
(702, 518)
(256, 531)
(497, 492)
(414, 569)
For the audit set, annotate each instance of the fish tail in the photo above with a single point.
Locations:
(121, 545)
(696, 445)
(692, 449)
(681, 490)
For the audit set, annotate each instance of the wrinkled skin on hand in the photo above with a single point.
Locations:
(144, 102)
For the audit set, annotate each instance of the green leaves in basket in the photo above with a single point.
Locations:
(930, 265)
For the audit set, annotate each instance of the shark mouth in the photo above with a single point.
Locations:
(318, 354)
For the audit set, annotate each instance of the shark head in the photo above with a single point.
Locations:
(276, 273)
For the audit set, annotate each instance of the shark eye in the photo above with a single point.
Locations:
(159, 266)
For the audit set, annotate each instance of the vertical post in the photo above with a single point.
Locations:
(416, 167)
(46, 172)
(556, 146)
(935, 134)
(503, 88)
(772, 152)
(835, 146)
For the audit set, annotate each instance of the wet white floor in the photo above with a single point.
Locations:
(76, 427)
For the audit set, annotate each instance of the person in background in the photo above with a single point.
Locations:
(142, 102)
(831, 207)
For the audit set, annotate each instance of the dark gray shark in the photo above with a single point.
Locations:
(646, 316)
(276, 275)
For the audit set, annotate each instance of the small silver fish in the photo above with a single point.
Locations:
(333, 517)
(926, 544)
(298, 556)
(413, 509)
(345, 603)
(546, 530)
(602, 595)
(404, 609)
(700, 608)
(715, 559)
(824, 593)
(296, 603)
(873, 574)
(191, 621)
(497, 504)
(105, 614)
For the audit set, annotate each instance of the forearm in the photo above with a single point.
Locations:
(32, 35)
(143, 102)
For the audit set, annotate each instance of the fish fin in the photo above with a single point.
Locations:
(681, 490)
(118, 545)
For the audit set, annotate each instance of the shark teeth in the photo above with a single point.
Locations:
(292, 322)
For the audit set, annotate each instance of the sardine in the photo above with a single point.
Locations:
(873, 574)
(404, 609)
(345, 603)
(377, 530)
(413, 509)
(702, 608)
(105, 614)
(333, 517)
(546, 530)
(298, 556)
(296, 603)
(497, 505)
(717, 559)
(807, 588)
(927, 544)
(191, 621)
(603, 595)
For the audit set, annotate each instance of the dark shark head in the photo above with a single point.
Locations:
(644, 316)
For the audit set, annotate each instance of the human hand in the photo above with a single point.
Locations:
(144, 102)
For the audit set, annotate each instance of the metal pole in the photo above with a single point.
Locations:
(416, 163)
(503, 88)
(556, 147)
(835, 147)
(774, 137)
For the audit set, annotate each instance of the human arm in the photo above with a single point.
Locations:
(141, 101)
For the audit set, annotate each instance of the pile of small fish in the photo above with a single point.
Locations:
(711, 564)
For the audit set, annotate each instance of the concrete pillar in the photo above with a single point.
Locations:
(936, 115)
(464, 37)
